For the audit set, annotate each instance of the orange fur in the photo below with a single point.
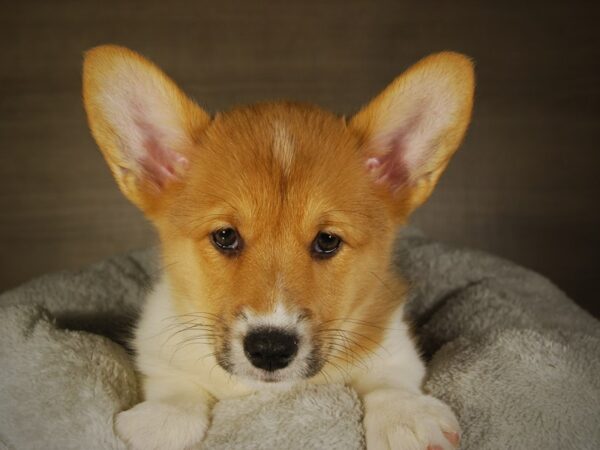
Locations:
(278, 215)
(234, 179)
(279, 174)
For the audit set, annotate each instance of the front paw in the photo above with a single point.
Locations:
(396, 420)
(154, 425)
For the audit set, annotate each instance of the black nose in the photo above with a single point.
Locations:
(270, 349)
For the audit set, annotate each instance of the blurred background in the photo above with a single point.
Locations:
(525, 185)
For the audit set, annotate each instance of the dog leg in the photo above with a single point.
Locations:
(398, 415)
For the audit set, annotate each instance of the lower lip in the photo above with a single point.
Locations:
(269, 379)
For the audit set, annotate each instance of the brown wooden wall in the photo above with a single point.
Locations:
(525, 185)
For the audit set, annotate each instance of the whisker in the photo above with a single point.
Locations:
(348, 341)
(206, 340)
(175, 326)
(189, 324)
(326, 375)
(358, 322)
(346, 361)
(196, 314)
(344, 373)
(354, 341)
(344, 351)
(383, 283)
(194, 327)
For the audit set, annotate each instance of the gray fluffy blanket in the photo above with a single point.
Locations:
(515, 358)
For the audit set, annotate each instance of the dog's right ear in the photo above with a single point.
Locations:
(143, 123)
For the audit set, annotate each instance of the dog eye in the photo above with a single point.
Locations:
(326, 245)
(226, 240)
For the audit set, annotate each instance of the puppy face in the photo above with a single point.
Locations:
(279, 234)
(277, 220)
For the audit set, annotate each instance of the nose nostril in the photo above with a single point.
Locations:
(270, 349)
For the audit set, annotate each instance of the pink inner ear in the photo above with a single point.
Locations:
(158, 162)
(400, 153)
(390, 168)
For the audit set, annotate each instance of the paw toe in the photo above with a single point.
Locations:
(453, 437)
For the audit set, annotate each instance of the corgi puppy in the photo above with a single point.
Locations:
(277, 222)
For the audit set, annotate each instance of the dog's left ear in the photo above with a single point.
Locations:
(413, 127)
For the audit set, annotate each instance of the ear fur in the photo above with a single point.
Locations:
(142, 122)
(413, 127)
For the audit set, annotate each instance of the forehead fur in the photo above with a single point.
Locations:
(276, 157)
(283, 147)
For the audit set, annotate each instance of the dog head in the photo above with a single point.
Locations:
(277, 220)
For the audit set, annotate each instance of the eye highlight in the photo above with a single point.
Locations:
(226, 240)
(326, 245)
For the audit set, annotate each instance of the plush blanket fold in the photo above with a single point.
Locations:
(516, 359)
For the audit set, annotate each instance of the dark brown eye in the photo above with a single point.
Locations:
(226, 240)
(326, 245)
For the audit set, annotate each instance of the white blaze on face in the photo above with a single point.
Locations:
(283, 147)
(280, 318)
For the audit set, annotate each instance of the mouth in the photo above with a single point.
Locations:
(280, 376)
(270, 356)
